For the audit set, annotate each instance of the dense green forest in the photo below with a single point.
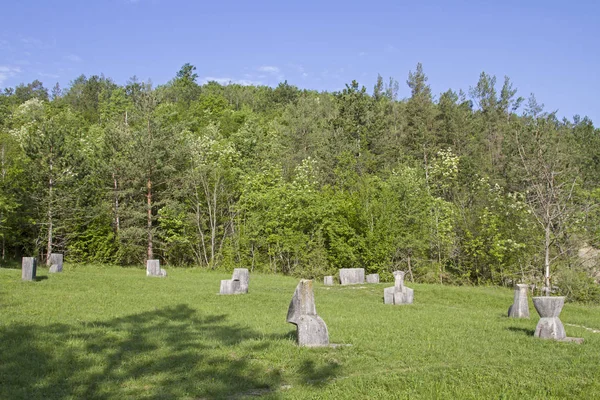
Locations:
(475, 187)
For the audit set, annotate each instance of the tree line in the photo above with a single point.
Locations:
(471, 187)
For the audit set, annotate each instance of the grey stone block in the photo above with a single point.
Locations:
(328, 280)
(238, 284)
(373, 278)
(153, 269)
(56, 262)
(549, 325)
(28, 268)
(302, 312)
(520, 306)
(352, 276)
(398, 294)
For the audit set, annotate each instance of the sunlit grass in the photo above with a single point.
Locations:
(99, 332)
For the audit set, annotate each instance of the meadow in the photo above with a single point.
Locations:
(105, 332)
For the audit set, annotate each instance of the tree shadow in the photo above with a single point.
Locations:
(40, 278)
(526, 331)
(169, 353)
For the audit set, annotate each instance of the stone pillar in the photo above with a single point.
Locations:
(153, 269)
(28, 268)
(328, 280)
(373, 278)
(312, 330)
(520, 306)
(56, 262)
(549, 326)
(242, 275)
(238, 284)
(352, 276)
(398, 294)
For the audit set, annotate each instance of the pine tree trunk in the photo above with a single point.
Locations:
(50, 216)
(547, 261)
(150, 254)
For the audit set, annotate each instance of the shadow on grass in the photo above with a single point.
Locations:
(168, 353)
(525, 331)
(40, 278)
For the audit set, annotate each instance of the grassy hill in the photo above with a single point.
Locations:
(100, 332)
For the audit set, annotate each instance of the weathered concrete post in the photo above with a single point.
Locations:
(238, 284)
(153, 269)
(28, 268)
(312, 330)
(398, 294)
(328, 280)
(549, 325)
(373, 278)
(520, 306)
(56, 262)
(352, 276)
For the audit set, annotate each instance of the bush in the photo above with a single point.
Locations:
(577, 285)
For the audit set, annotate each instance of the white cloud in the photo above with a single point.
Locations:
(273, 71)
(270, 69)
(227, 81)
(47, 75)
(73, 58)
(7, 72)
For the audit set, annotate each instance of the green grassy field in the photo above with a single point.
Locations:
(97, 332)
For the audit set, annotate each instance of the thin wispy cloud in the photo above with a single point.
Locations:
(7, 72)
(272, 70)
(47, 75)
(73, 58)
(362, 54)
(390, 48)
(227, 81)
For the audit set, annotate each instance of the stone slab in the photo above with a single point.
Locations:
(28, 268)
(373, 278)
(352, 276)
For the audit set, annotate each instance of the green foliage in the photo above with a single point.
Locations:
(455, 188)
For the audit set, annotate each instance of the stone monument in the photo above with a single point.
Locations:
(373, 278)
(520, 306)
(398, 294)
(352, 276)
(312, 331)
(56, 262)
(549, 325)
(28, 268)
(238, 284)
(328, 280)
(153, 269)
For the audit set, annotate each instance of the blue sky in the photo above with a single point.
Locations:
(550, 48)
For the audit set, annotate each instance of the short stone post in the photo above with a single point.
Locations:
(549, 326)
(28, 268)
(238, 284)
(520, 306)
(352, 276)
(56, 262)
(153, 269)
(311, 329)
(398, 294)
(328, 280)
(373, 278)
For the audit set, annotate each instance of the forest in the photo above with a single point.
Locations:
(476, 186)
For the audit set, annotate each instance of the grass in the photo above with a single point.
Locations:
(99, 332)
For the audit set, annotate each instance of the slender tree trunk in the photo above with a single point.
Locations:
(149, 218)
(50, 214)
(3, 161)
(116, 193)
(547, 261)
(410, 268)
